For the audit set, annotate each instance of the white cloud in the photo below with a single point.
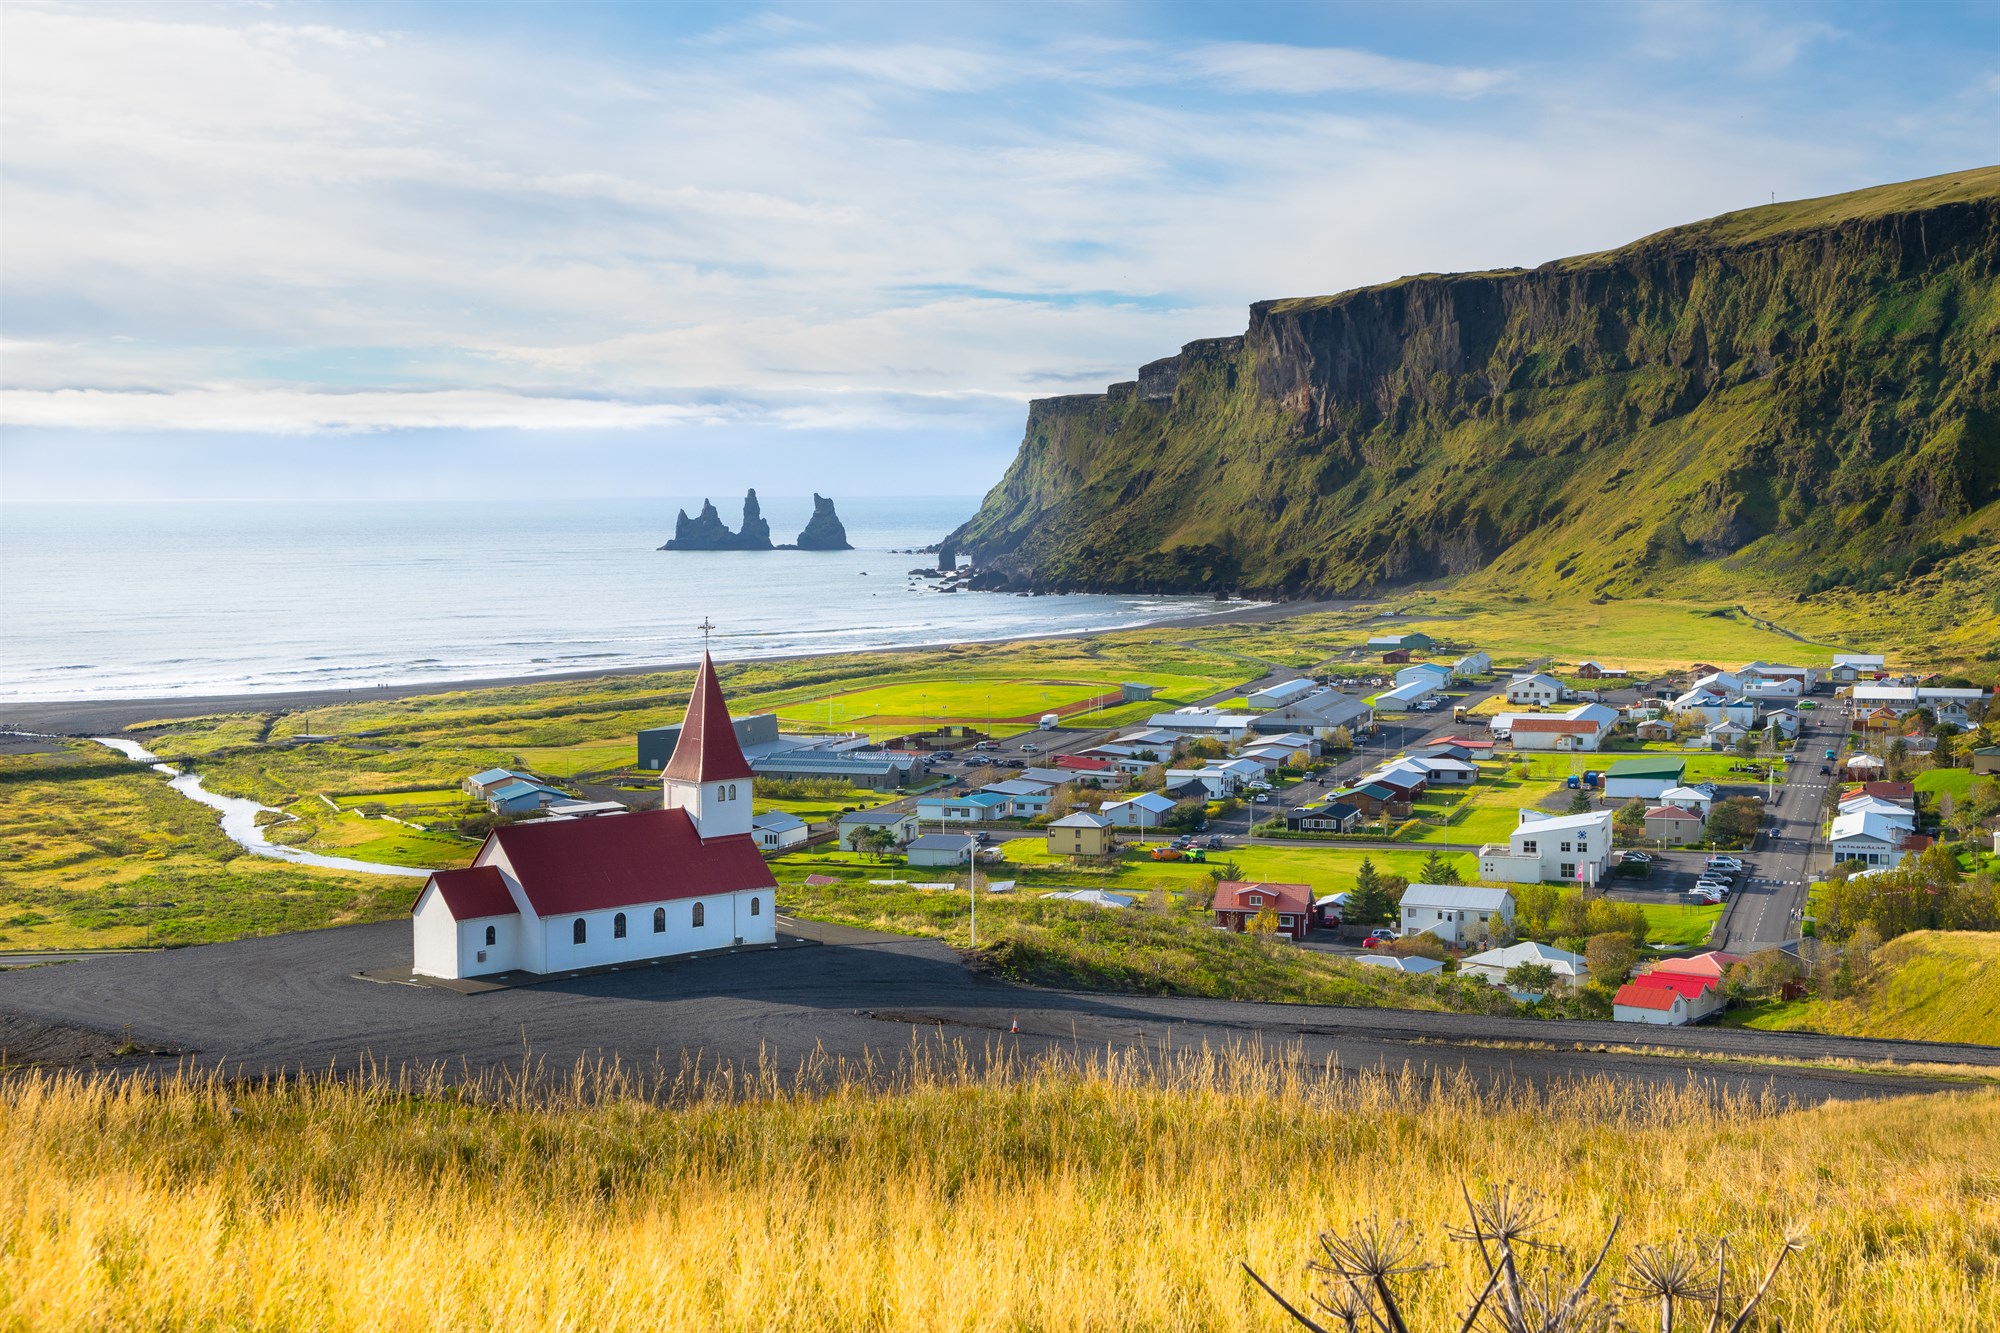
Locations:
(287, 227)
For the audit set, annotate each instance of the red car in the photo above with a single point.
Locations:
(1377, 938)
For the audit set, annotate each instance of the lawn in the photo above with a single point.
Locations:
(1486, 812)
(1681, 925)
(408, 804)
(569, 761)
(1328, 869)
(1953, 782)
(319, 829)
(824, 808)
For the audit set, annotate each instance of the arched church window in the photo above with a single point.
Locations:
(756, 908)
(659, 920)
(491, 935)
(618, 926)
(700, 915)
(576, 932)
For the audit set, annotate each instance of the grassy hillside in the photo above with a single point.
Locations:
(1802, 400)
(1116, 1196)
(1927, 986)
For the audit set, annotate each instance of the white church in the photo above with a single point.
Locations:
(561, 894)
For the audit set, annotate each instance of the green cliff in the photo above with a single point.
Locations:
(1807, 394)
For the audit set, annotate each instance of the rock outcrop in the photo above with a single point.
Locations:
(707, 532)
(824, 530)
(1795, 391)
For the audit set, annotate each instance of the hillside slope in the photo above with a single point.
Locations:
(1809, 393)
(1928, 986)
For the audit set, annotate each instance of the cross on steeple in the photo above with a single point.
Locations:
(706, 629)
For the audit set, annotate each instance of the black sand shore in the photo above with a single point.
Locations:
(94, 717)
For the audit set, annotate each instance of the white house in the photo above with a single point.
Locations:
(1216, 781)
(1454, 912)
(1145, 810)
(565, 894)
(1443, 770)
(1409, 963)
(1551, 847)
(1431, 673)
(1699, 799)
(1869, 836)
(855, 823)
(1536, 688)
(1025, 799)
(775, 830)
(1862, 803)
(1472, 666)
(1581, 728)
(1492, 966)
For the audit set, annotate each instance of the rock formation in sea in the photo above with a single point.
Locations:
(824, 530)
(707, 532)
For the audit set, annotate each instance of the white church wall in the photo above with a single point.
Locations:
(477, 957)
(726, 919)
(436, 936)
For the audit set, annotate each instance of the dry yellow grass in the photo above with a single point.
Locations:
(1114, 1194)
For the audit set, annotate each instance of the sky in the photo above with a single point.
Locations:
(257, 250)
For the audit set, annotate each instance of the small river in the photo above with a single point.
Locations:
(239, 817)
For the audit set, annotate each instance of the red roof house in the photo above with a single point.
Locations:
(474, 892)
(1649, 1004)
(1237, 903)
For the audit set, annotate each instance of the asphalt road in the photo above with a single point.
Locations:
(1769, 902)
(292, 1002)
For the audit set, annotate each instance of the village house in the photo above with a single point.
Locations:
(1492, 966)
(1375, 800)
(856, 824)
(1536, 690)
(971, 808)
(1875, 838)
(1455, 913)
(1986, 760)
(1330, 816)
(566, 894)
(1903, 794)
(1653, 729)
(1598, 671)
(1089, 770)
(522, 797)
(1416, 640)
(1698, 798)
(1146, 810)
(776, 830)
(1582, 728)
(1675, 826)
(1404, 698)
(1025, 800)
(1431, 673)
(1544, 847)
(1472, 666)
(1407, 963)
(1080, 834)
(1863, 768)
(1955, 705)
(1238, 903)
(1666, 1000)
(941, 849)
(1851, 667)
(1443, 770)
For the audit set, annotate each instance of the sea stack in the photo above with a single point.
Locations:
(707, 532)
(824, 530)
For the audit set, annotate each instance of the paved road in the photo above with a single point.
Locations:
(1766, 909)
(291, 1001)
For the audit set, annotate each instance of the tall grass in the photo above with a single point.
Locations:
(1077, 1192)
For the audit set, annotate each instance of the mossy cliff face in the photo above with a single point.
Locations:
(1774, 392)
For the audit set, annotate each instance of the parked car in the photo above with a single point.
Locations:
(987, 745)
(944, 757)
(1724, 863)
(981, 835)
(1707, 896)
(1259, 798)
(1641, 857)
(1166, 853)
(1377, 938)
(1714, 886)
(1031, 748)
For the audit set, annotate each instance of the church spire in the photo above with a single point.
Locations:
(707, 750)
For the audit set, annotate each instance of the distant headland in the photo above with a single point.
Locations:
(707, 532)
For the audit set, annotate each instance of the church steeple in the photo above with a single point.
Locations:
(708, 776)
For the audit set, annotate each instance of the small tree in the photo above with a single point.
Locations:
(1438, 870)
(1370, 904)
(1579, 804)
(1341, 739)
(1531, 978)
(1610, 956)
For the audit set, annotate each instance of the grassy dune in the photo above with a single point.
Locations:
(1927, 986)
(1115, 1194)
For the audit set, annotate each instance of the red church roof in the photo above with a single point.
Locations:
(586, 865)
(475, 892)
(707, 750)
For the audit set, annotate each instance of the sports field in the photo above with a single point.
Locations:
(1008, 703)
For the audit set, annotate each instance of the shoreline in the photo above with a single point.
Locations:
(84, 717)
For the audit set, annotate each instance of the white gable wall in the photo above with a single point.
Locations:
(436, 935)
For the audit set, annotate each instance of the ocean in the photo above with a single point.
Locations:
(109, 600)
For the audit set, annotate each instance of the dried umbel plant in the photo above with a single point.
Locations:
(1356, 1269)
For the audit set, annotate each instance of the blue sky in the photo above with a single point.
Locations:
(519, 250)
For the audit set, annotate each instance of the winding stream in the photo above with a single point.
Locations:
(239, 817)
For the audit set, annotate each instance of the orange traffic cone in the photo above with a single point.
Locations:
(1017, 1024)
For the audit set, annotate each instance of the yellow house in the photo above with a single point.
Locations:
(1080, 834)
